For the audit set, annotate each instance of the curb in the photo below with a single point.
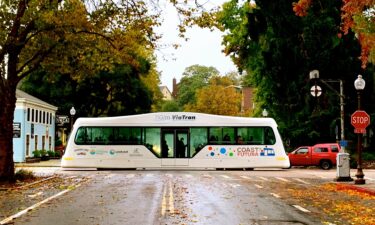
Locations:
(30, 165)
(49, 163)
(355, 188)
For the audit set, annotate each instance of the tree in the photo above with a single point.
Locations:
(358, 15)
(59, 35)
(277, 49)
(193, 78)
(219, 97)
(70, 37)
(169, 106)
(119, 92)
(151, 81)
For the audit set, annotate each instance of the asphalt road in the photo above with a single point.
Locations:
(169, 197)
(178, 197)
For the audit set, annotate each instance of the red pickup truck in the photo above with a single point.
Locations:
(323, 155)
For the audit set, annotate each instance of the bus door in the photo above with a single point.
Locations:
(174, 149)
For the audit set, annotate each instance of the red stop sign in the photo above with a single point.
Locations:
(360, 120)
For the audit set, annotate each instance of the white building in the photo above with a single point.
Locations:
(167, 95)
(33, 126)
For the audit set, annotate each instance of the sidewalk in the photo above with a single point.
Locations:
(47, 163)
(369, 187)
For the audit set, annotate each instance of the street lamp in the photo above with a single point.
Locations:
(72, 113)
(264, 113)
(359, 85)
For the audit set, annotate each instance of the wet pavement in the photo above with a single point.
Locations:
(165, 197)
(53, 166)
(189, 197)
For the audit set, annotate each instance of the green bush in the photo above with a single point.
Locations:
(43, 152)
(58, 154)
(37, 153)
(51, 153)
(58, 142)
(367, 156)
(23, 174)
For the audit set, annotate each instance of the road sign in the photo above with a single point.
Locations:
(359, 131)
(62, 119)
(16, 130)
(316, 91)
(343, 143)
(360, 120)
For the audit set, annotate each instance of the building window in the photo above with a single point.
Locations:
(43, 142)
(36, 116)
(32, 115)
(36, 142)
(50, 143)
(40, 116)
(27, 145)
(28, 114)
(44, 117)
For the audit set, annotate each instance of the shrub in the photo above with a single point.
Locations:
(368, 156)
(37, 153)
(51, 153)
(58, 142)
(58, 154)
(23, 174)
(43, 152)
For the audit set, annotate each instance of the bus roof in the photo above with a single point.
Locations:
(175, 119)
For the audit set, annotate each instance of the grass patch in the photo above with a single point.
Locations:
(23, 175)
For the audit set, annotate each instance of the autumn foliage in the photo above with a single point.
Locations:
(300, 8)
(339, 203)
(220, 97)
(356, 15)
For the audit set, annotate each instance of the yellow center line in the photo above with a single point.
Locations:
(163, 202)
(171, 198)
(167, 203)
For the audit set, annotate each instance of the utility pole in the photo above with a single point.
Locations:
(342, 112)
(342, 159)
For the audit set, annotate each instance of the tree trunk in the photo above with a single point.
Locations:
(8, 104)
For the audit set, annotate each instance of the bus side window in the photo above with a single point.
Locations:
(239, 140)
(213, 139)
(152, 140)
(198, 139)
(81, 136)
(243, 135)
(229, 135)
(269, 136)
(226, 138)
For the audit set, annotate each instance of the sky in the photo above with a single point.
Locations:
(203, 48)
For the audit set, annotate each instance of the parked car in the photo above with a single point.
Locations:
(323, 155)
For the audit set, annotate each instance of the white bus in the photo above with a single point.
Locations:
(175, 140)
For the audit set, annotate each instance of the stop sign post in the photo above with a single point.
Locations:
(360, 120)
